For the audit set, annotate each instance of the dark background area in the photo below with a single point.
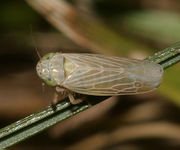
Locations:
(142, 122)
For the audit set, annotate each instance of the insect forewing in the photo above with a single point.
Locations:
(107, 75)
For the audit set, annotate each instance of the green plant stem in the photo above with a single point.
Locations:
(33, 118)
(37, 122)
(167, 57)
(26, 130)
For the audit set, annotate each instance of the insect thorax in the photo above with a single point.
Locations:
(56, 66)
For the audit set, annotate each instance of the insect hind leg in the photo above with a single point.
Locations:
(73, 100)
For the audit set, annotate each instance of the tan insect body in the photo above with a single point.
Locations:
(99, 75)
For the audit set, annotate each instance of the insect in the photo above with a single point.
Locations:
(98, 75)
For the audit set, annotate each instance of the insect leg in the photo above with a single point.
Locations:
(55, 99)
(73, 100)
(60, 91)
(64, 93)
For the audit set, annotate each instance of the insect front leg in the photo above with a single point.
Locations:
(60, 94)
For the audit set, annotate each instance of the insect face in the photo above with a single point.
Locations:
(44, 71)
(50, 68)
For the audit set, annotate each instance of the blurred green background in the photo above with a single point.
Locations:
(126, 28)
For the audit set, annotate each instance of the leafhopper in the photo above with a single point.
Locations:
(98, 75)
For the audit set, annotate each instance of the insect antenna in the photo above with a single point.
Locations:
(34, 43)
(38, 54)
